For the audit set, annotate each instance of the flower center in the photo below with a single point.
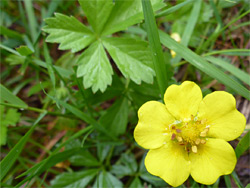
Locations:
(189, 133)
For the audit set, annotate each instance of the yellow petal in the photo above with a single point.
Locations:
(170, 163)
(150, 131)
(183, 101)
(219, 109)
(213, 159)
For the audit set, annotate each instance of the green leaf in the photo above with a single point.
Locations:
(132, 57)
(6, 95)
(105, 179)
(136, 183)
(127, 167)
(243, 145)
(69, 32)
(49, 162)
(49, 65)
(125, 14)
(173, 9)
(116, 117)
(3, 133)
(156, 50)
(97, 12)
(95, 68)
(11, 117)
(85, 158)
(74, 179)
(12, 156)
(243, 76)
(24, 50)
(230, 52)
(203, 65)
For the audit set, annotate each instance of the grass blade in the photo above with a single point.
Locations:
(237, 180)
(232, 52)
(203, 65)
(32, 19)
(192, 20)
(243, 145)
(227, 181)
(243, 76)
(173, 9)
(6, 95)
(155, 45)
(12, 156)
(49, 65)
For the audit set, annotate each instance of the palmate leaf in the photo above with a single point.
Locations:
(69, 32)
(132, 57)
(125, 14)
(75, 179)
(106, 17)
(95, 67)
(97, 12)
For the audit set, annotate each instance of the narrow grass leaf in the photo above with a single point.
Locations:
(227, 181)
(12, 156)
(238, 73)
(49, 65)
(216, 34)
(32, 19)
(70, 139)
(243, 145)
(237, 180)
(8, 96)
(230, 52)
(44, 165)
(156, 49)
(173, 9)
(192, 20)
(9, 49)
(203, 65)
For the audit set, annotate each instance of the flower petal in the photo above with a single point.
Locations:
(170, 162)
(183, 101)
(151, 128)
(219, 109)
(213, 159)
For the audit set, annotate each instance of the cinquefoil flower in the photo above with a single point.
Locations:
(188, 135)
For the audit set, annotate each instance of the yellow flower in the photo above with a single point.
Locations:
(188, 134)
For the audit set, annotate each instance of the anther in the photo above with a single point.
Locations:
(178, 130)
(173, 136)
(173, 127)
(204, 132)
(194, 149)
(179, 139)
(197, 141)
(203, 141)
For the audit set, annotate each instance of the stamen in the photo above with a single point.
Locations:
(179, 139)
(178, 130)
(194, 149)
(203, 141)
(197, 141)
(204, 132)
(173, 136)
